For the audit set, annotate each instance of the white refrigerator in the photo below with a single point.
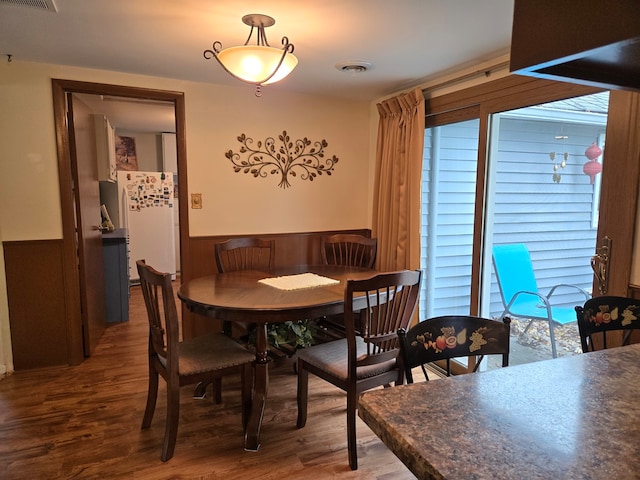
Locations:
(146, 210)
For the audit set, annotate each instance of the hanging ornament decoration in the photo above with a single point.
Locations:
(592, 167)
(558, 166)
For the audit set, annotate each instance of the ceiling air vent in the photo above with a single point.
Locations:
(47, 5)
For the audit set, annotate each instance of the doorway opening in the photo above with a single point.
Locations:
(71, 184)
(138, 178)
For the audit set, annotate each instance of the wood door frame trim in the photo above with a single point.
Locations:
(60, 89)
(619, 193)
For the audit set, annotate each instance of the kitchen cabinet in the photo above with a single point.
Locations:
(590, 42)
(105, 148)
(116, 274)
(169, 153)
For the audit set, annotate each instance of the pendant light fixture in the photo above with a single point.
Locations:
(259, 64)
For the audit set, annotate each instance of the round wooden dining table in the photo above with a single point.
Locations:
(240, 296)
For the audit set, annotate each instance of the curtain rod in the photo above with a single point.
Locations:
(467, 76)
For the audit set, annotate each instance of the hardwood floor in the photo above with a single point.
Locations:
(83, 422)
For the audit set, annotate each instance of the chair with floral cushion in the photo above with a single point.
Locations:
(441, 339)
(608, 321)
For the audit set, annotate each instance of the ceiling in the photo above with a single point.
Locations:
(408, 42)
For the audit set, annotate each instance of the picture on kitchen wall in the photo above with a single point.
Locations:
(126, 158)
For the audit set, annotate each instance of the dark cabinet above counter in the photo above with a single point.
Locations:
(592, 42)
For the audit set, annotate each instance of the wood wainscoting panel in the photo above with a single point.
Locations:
(36, 298)
(290, 249)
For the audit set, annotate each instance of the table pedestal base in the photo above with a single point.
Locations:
(261, 380)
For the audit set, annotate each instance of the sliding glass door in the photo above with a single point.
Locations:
(545, 166)
(526, 176)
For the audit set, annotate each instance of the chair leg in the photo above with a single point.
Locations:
(152, 396)
(217, 390)
(200, 390)
(352, 406)
(173, 415)
(552, 339)
(303, 394)
(400, 379)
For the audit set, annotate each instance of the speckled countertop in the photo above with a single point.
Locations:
(569, 418)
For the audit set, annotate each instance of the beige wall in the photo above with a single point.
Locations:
(215, 116)
(238, 203)
(233, 203)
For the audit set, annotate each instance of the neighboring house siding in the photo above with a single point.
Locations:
(553, 219)
(448, 225)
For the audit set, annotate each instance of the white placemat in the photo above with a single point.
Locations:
(298, 282)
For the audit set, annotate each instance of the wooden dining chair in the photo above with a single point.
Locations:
(346, 250)
(366, 358)
(607, 321)
(349, 250)
(245, 253)
(200, 359)
(242, 253)
(442, 339)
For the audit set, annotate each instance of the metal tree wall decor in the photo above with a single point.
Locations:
(302, 158)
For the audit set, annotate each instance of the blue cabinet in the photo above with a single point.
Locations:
(116, 275)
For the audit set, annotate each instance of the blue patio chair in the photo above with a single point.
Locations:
(519, 290)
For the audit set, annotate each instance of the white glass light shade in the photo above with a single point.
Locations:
(254, 63)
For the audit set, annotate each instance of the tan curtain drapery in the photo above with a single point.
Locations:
(396, 202)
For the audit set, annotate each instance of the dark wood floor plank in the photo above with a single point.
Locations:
(83, 422)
